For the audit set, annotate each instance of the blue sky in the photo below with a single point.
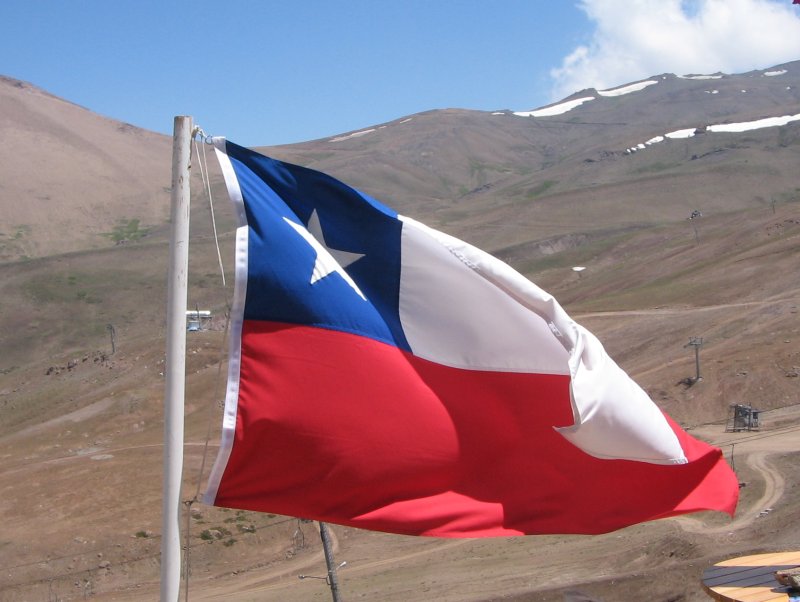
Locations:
(273, 72)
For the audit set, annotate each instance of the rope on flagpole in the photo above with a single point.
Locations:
(217, 386)
(222, 351)
(207, 186)
(215, 397)
(202, 162)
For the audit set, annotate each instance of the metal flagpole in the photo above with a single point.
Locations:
(333, 579)
(177, 280)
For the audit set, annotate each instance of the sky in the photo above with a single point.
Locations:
(266, 72)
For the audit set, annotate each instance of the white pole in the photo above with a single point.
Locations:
(177, 281)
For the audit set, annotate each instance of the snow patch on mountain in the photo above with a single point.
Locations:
(744, 126)
(627, 89)
(558, 109)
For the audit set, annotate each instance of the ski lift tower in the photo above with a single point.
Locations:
(696, 342)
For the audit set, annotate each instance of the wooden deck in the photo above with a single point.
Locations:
(750, 578)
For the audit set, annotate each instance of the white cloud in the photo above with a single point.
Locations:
(634, 39)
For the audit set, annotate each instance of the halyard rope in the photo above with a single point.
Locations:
(207, 186)
(202, 162)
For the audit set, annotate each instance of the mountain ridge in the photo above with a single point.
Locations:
(424, 163)
(687, 238)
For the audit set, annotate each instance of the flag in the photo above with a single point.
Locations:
(388, 376)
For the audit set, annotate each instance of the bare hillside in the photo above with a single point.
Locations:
(503, 178)
(84, 204)
(73, 180)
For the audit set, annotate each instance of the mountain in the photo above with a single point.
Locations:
(79, 179)
(679, 196)
(70, 177)
(477, 171)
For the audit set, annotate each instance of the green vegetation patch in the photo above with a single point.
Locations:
(478, 168)
(21, 231)
(540, 189)
(790, 196)
(86, 287)
(127, 230)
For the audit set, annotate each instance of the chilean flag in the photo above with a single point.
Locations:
(387, 376)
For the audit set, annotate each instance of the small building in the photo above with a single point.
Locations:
(742, 418)
(197, 319)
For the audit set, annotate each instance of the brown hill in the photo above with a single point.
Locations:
(503, 178)
(71, 177)
(80, 427)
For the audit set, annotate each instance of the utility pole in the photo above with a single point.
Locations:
(696, 342)
(113, 332)
(333, 580)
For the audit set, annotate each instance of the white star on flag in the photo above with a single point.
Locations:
(328, 260)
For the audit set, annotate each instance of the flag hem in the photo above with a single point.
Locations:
(236, 321)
